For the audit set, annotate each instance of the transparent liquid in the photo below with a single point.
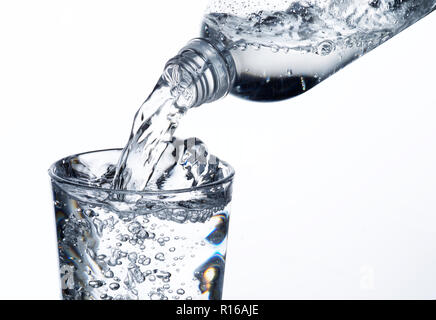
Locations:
(153, 128)
(278, 54)
(127, 245)
(116, 245)
(284, 48)
(132, 246)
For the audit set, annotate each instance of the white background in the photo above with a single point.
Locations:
(334, 195)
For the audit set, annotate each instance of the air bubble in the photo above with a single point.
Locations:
(157, 296)
(142, 234)
(96, 283)
(114, 286)
(180, 291)
(160, 256)
(132, 257)
(134, 227)
(109, 274)
(325, 48)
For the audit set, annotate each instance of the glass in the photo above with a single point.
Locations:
(137, 245)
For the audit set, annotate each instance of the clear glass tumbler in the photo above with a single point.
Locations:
(137, 245)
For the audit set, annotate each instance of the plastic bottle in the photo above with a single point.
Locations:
(273, 50)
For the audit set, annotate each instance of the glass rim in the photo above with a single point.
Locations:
(52, 173)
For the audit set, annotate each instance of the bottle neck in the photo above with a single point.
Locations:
(211, 67)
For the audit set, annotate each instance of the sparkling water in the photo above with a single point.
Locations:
(284, 48)
(151, 221)
(152, 131)
(278, 52)
(127, 245)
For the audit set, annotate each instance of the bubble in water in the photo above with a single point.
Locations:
(136, 273)
(180, 291)
(157, 296)
(114, 286)
(109, 274)
(142, 234)
(134, 227)
(132, 256)
(160, 256)
(96, 283)
(325, 48)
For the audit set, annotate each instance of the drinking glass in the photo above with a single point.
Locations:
(119, 244)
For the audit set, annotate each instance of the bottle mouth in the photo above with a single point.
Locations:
(211, 67)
